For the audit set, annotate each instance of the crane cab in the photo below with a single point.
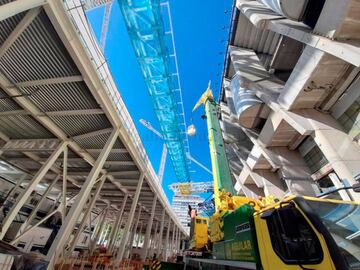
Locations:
(199, 233)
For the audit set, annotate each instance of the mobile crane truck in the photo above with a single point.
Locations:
(296, 232)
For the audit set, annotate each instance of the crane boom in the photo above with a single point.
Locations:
(151, 128)
(220, 166)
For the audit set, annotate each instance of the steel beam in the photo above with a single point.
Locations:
(58, 80)
(117, 226)
(75, 112)
(64, 183)
(76, 208)
(173, 239)
(154, 242)
(130, 250)
(159, 247)
(99, 231)
(148, 230)
(32, 215)
(86, 215)
(139, 235)
(29, 230)
(29, 189)
(13, 191)
(19, 29)
(129, 221)
(13, 8)
(166, 249)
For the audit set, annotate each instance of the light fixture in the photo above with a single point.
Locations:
(191, 130)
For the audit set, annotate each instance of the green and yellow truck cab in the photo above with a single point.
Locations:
(297, 232)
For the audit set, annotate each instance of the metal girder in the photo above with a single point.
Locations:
(145, 27)
(59, 80)
(85, 173)
(117, 226)
(75, 112)
(31, 186)
(13, 113)
(31, 145)
(34, 211)
(92, 134)
(165, 250)
(12, 8)
(77, 206)
(86, 215)
(161, 232)
(19, 29)
(129, 221)
(119, 119)
(113, 151)
(148, 229)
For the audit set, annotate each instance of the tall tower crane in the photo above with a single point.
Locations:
(91, 4)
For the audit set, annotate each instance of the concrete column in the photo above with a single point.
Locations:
(129, 221)
(336, 181)
(159, 248)
(342, 153)
(148, 230)
(338, 147)
(75, 210)
(115, 231)
(166, 249)
(87, 212)
(20, 201)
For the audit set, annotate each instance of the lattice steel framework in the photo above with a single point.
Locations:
(192, 187)
(147, 32)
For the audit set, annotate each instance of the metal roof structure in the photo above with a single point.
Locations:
(144, 22)
(57, 92)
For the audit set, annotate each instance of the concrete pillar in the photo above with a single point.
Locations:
(87, 212)
(117, 226)
(148, 230)
(342, 153)
(338, 147)
(166, 249)
(336, 181)
(159, 248)
(20, 201)
(125, 237)
(75, 210)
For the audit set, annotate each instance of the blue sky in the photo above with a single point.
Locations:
(201, 31)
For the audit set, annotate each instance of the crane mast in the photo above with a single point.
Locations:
(219, 162)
